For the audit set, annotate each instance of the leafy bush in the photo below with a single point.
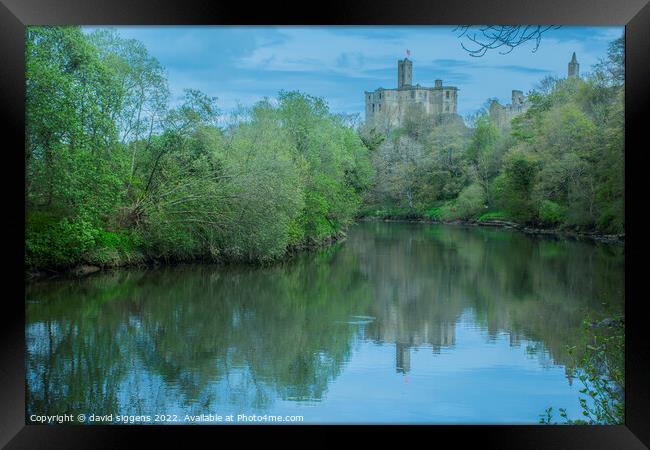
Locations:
(601, 370)
(497, 215)
(470, 201)
(434, 213)
(515, 185)
(551, 213)
(54, 242)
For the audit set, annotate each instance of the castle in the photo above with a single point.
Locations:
(387, 108)
(502, 115)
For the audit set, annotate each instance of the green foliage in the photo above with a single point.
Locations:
(51, 241)
(333, 160)
(435, 213)
(514, 185)
(551, 213)
(484, 138)
(471, 201)
(114, 174)
(315, 219)
(560, 165)
(414, 172)
(611, 70)
(371, 138)
(112, 239)
(391, 212)
(498, 215)
(601, 371)
(603, 376)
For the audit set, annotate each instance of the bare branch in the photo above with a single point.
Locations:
(506, 37)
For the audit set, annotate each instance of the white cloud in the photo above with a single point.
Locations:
(338, 63)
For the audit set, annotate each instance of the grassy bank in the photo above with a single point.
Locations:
(112, 256)
(440, 212)
(447, 214)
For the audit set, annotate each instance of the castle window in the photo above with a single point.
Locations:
(380, 107)
(412, 94)
(373, 107)
(447, 94)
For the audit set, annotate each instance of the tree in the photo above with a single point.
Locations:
(506, 37)
(450, 170)
(114, 174)
(612, 69)
(515, 185)
(547, 84)
(335, 162)
(482, 153)
(401, 165)
(70, 141)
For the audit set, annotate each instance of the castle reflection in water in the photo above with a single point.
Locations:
(246, 338)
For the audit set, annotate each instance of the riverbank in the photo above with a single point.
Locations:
(497, 223)
(89, 266)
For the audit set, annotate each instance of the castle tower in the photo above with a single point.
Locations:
(404, 73)
(574, 67)
(517, 98)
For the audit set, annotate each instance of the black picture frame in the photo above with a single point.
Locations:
(16, 14)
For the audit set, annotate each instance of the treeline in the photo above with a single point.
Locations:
(559, 165)
(117, 172)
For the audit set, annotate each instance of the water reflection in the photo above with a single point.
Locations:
(320, 335)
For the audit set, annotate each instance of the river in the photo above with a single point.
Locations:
(399, 323)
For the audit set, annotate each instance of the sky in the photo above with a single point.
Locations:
(241, 65)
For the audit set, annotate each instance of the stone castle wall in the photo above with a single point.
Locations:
(502, 115)
(387, 108)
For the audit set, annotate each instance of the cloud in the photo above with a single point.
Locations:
(245, 63)
(522, 69)
(451, 63)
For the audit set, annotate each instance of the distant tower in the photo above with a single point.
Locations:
(517, 98)
(404, 73)
(574, 67)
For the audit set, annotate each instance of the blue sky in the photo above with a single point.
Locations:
(243, 64)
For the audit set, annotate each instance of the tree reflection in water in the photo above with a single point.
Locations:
(191, 337)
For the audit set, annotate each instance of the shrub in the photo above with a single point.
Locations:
(435, 213)
(601, 371)
(470, 201)
(551, 213)
(490, 215)
(56, 242)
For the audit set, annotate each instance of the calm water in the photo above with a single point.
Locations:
(399, 323)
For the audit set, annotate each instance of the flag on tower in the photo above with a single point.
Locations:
(408, 52)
